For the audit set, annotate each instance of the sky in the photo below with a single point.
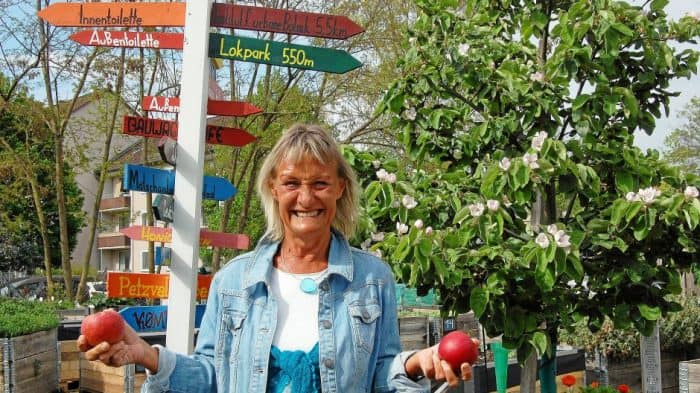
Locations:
(687, 87)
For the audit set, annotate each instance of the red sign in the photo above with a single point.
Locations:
(214, 107)
(158, 128)
(129, 39)
(114, 14)
(283, 21)
(148, 285)
(206, 238)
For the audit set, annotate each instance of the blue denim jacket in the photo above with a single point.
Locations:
(359, 348)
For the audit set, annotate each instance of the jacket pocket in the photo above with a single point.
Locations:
(364, 324)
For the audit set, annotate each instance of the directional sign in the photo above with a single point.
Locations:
(283, 21)
(163, 257)
(114, 14)
(161, 181)
(148, 285)
(167, 148)
(147, 319)
(163, 207)
(214, 107)
(157, 128)
(280, 53)
(129, 39)
(206, 238)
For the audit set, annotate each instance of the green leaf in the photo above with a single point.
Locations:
(478, 300)
(624, 182)
(461, 215)
(648, 312)
(619, 208)
(540, 342)
(620, 27)
(402, 249)
(658, 5)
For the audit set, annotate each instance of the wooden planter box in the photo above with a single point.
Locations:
(29, 363)
(98, 378)
(689, 376)
(630, 373)
(69, 361)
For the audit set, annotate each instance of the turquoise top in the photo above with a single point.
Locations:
(297, 369)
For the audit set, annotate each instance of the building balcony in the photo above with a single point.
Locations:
(113, 241)
(115, 204)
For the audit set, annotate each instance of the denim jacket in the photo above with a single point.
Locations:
(359, 347)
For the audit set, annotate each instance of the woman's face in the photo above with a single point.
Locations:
(306, 192)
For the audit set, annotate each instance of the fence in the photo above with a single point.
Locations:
(6, 277)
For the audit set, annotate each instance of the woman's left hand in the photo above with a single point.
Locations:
(427, 363)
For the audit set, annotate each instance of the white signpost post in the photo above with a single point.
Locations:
(651, 362)
(188, 177)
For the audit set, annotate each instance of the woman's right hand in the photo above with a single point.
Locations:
(131, 349)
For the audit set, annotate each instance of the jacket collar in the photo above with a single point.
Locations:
(259, 267)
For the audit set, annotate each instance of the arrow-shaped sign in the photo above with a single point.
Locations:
(283, 21)
(114, 14)
(149, 285)
(161, 181)
(147, 319)
(129, 39)
(157, 128)
(214, 107)
(280, 53)
(163, 207)
(206, 238)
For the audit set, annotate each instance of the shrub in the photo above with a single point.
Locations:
(20, 317)
(678, 331)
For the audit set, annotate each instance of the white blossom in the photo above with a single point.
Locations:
(693, 14)
(365, 244)
(530, 159)
(410, 114)
(463, 49)
(457, 153)
(631, 197)
(538, 140)
(691, 192)
(376, 164)
(409, 202)
(504, 164)
(647, 195)
(382, 174)
(412, 40)
(537, 77)
(418, 223)
(571, 283)
(562, 239)
(542, 240)
(377, 237)
(377, 253)
(401, 228)
(476, 209)
(493, 205)
(552, 229)
(449, 58)
(395, 204)
(429, 231)
(390, 178)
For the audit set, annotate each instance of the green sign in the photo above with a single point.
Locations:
(282, 54)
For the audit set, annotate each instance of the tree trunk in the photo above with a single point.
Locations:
(63, 220)
(529, 374)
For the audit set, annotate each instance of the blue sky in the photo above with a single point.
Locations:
(688, 88)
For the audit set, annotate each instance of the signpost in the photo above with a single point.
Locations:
(129, 39)
(148, 285)
(283, 21)
(152, 319)
(206, 238)
(163, 207)
(114, 14)
(163, 256)
(214, 107)
(281, 53)
(650, 348)
(162, 181)
(157, 128)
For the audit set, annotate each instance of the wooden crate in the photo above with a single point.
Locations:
(69, 361)
(689, 376)
(99, 378)
(29, 363)
(413, 333)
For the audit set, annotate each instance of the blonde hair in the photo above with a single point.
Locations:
(308, 141)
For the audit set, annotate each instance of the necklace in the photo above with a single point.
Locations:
(306, 284)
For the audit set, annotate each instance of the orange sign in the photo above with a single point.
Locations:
(149, 286)
(114, 14)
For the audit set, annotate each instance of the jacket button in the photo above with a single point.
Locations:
(365, 314)
(329, 363)
(324, 286)
(327, 324)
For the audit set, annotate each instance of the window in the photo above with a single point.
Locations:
(144, 260)
(123, 262)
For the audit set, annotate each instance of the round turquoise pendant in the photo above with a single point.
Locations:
(308, 285)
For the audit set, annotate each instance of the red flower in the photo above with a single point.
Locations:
(623, 388)
(595, 384)
(569, 380)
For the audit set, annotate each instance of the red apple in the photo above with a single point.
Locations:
(457, 348)
(106, 325)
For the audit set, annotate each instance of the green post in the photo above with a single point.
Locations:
(500, 356)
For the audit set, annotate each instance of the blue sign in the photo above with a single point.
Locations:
(162, 181)
(163, 256)
(148, 319)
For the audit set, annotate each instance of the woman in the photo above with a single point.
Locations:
(303, 312)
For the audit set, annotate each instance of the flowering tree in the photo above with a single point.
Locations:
(526, 200)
